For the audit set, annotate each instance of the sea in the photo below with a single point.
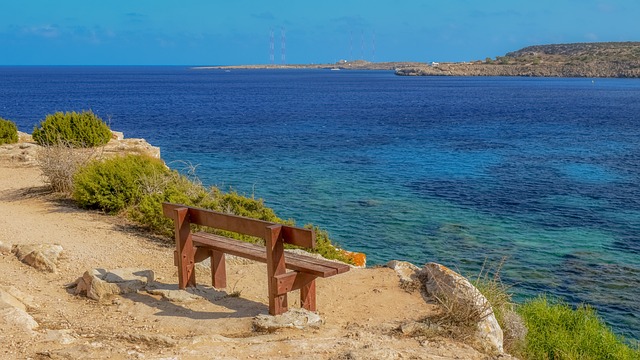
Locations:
(539, 177)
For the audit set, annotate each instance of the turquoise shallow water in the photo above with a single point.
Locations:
(544, 172)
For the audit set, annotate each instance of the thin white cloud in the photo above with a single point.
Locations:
(591, 37)
(45, 31)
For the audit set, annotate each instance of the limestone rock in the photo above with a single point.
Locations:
(15, 317)
(413, 328)
(153, 340)
(42, 257)
(62, 337)
(4, 248)
(24, 137)
(408, 274)
(294, 318)
(117, 135)
(100, 283)
(131, 146)
(439, 280)
(16, 298)
(174, 294)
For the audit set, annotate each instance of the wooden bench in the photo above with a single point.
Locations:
(195, 247)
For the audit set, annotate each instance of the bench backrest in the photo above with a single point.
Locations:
(242, 225)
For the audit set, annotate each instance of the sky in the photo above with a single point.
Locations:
(212, 32)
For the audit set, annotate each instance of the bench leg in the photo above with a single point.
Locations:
(308, 295)
(185, 250)
(275, 266)
(218, 270)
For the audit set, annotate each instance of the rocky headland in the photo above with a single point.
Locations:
(593, 60)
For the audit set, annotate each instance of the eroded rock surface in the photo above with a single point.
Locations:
(294, 318)
(40, 256)
(98, 284)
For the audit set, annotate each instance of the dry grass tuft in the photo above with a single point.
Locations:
(59, 163)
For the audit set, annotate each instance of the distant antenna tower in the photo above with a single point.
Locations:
(362, 45)
(351, 45)
(373, 49)
(272, 58)
(283, 44)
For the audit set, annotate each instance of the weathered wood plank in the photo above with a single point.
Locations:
(317, 267)
(243, 225)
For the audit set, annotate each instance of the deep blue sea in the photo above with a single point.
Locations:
(544, 172)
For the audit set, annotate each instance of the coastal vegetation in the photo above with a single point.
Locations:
(8, 132)
(83, 129)
(549, 328)
(558, 331)
(136, 185)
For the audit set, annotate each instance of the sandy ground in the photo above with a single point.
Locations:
(362, 308)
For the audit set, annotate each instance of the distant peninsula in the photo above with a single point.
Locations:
(596, 60)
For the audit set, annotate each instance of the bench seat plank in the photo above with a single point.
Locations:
(318, 267)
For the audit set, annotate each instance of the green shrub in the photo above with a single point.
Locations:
(83, 129)
(139, 185)
(557, 331)
(325, 247)
(166, 187)
(113, 184)
(8, 132)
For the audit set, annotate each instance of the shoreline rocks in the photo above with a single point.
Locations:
(25, 151)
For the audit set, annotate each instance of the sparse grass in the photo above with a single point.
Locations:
(489, 283)
(462, 307)
(558, 331)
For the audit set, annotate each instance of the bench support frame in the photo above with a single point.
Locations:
(279, 281)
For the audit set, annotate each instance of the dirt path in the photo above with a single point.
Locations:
(362, 309)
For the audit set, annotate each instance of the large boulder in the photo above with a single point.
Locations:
(40, 256)
(98, 284)
(442, 282)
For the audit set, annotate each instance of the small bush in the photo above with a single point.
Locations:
(113, 184)
(59, 164)
(8, 132)
(83, 129)
(166, 187)
(557, 331)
